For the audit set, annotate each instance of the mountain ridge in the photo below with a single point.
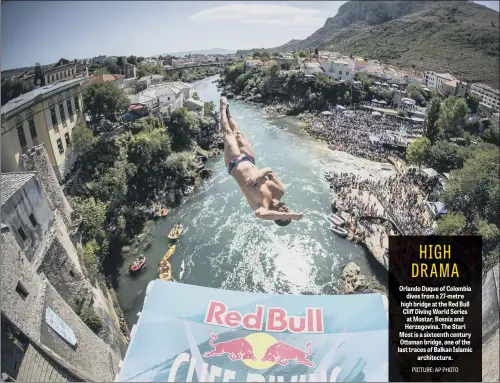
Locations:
(211, 51)
(456, 36)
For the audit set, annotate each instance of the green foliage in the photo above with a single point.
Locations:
(474, 189)
(415, 92)
(180, 165)
(93, 213)
(12, 88)
(82, 139)
(101, 70)
(473, 102)
(303, 54)
(209, 108)
(452, 117)
(450, 224)
(120, 61)
(365, 80)
(104, 100)
(146, 124)
(417, 151)
(132, 60)
(90, 261)
(445, 156)
(90, 317)
(316, 51)
(195, 96)
(431, 129)
(183, 125)
(148, 70)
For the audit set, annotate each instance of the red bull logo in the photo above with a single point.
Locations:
(276, 319)
(236, 349)
(282, 352)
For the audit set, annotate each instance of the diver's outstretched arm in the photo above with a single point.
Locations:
(272, 215)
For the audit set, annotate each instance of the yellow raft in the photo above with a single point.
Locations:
(169, 253)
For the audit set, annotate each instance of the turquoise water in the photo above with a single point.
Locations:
(225, 246)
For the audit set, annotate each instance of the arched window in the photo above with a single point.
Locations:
(30, 117)
(53, 115)
(20, 134)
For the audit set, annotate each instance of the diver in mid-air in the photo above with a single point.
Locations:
(261, 188)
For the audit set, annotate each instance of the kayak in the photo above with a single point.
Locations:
(338, 218)
(169, 253)
(138, 264)
(339, 231)
(175, 233)
(336, 221)
(182, 270)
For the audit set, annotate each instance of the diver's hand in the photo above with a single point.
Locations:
(297, 216)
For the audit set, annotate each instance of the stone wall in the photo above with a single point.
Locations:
(25, 313)
(91, 354)
(66, 275)
(37, 159)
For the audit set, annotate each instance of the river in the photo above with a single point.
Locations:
(225, 246)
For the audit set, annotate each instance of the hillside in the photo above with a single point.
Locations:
(212, 51)
(457, 36)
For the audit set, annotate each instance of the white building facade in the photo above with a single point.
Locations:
(340, 70)
(433, 80)
(488, 95)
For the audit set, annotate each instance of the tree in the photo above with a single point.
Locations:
(120, 61)
(182, 126)
(302, 54)
(195, 96)
(12, 88)
(141, 59)
(431, 128)
(209, 108)
(473, 102)
(473, 189)
(93, 213)
(444, 157)
(82, 140)
(450, 224)
(415, 92)
(417, 151)
(180, 165)
(452, 117)
(316, 51)
(102, 70)
(104, 100)
(90, 317)
(132, 60)
(90, 250)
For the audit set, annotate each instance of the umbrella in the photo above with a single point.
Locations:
(326, 113)
(382, 102)
(376, 114)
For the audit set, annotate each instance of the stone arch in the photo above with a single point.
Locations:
(52, 103)
(18, 122)
(29, 115)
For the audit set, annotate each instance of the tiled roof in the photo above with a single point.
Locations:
(31, 95)
(103, 78)
(12, 182)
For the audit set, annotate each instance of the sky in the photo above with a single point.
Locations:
(45, 31)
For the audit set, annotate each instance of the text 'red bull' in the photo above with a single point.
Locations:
(277, 319)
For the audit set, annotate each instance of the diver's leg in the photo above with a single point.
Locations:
(231, 149)
(243, 144)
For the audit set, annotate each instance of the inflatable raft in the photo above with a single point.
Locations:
(341, 232)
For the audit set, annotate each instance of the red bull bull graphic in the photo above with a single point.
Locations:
(282, 353)
(236, 349)
(250, 337)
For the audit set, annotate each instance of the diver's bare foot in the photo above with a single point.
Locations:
(223, 103)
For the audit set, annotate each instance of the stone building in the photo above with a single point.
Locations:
(44, 284)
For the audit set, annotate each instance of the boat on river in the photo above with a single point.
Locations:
(176, 232)
(163, 212)
(341, 232)
(169, 253)
(139, 264)
(336, 220)
(165, 271)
